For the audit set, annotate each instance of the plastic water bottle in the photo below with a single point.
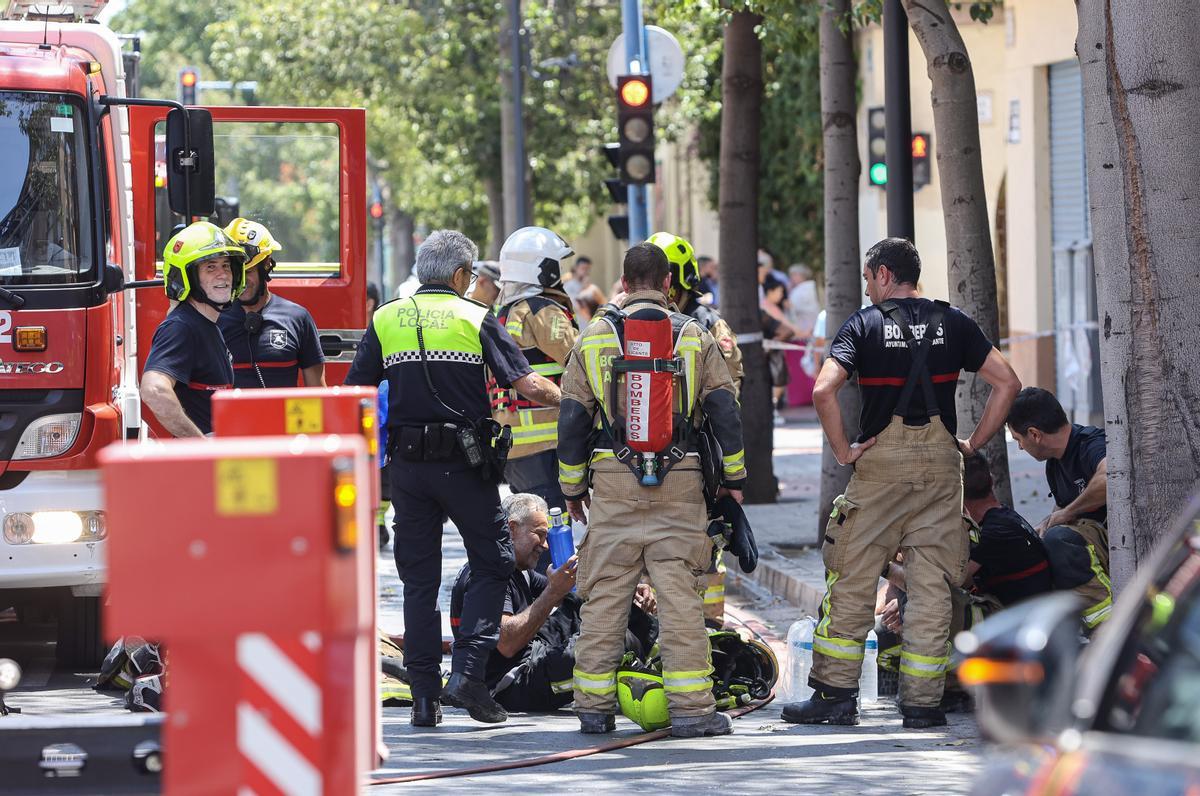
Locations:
(799, 660)
(868, 681)
(560, 538)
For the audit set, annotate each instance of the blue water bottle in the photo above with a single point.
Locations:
(562, 543)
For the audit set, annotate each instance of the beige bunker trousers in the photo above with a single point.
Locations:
(661, 530)
(905, 494)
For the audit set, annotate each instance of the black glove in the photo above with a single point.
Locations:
(737, 531)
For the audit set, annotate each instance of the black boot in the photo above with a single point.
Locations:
(426, 712)
(916, 718)
(473, 695)
(823, 708)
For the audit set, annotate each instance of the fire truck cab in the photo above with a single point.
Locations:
(84, 212)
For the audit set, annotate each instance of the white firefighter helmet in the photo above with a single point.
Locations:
(533, 256)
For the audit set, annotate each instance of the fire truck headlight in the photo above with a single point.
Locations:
(51, 435)
(95, 526)
(56, 527)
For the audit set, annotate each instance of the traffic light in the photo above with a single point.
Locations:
(922, 147)
(876, 147)
(618, 190)
(189, 76)
(635, 129)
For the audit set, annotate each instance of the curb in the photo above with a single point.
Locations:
(771, 579)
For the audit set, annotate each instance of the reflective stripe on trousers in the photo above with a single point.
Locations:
(602, 684)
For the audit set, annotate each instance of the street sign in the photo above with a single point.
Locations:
(665, 62)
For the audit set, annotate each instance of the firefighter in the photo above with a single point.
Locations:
(445, 457)
(685, 294)
(273, 341)
(906, 491)
(636, 525)
(203, 272)
(533, 308)
(1076, 533)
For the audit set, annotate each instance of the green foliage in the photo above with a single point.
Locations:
(791, 185)
(428, 73)
(864, 12)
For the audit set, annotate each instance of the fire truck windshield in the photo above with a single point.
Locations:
(44, 204)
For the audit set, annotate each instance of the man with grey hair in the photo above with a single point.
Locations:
(531, 669)
(445, 456)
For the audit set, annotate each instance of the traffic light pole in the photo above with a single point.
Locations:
(898, 127)
(518, 90)
(635, 61)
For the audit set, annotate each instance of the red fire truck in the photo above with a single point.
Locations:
(91, 182)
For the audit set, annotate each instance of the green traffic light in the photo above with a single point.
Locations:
(879, 174)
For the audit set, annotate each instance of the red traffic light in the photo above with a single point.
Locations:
(635, 93)
(187, 78)
(920, 146)
(376, 210)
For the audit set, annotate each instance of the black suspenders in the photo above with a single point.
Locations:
(920, 353)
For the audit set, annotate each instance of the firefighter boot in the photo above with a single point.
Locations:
(426, 712)
(473, 695)
(701, 726)
(823, 709)
(919, 718)
(597, 723)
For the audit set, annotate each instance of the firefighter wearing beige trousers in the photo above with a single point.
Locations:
(906, 489)
(647, 510)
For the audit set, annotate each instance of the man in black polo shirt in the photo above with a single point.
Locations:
(906, 490)
(531, 668)
(273, 341)
(1075, 533)
(188, 361)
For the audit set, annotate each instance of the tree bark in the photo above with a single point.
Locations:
(1141, 87)
(509, 170)
(972, 266)
(741, 118)
(843, 286)
(497, 229)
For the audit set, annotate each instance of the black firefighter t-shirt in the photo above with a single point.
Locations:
(872, 345)
(189, 348)
(286, 343)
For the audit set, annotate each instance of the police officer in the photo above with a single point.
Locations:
(188, 361)
(273, 341)
(533, 308)
(685, 294)
(433, 349)
(906, 492)
(635, 527)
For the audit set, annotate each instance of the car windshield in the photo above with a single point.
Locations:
(43, 190)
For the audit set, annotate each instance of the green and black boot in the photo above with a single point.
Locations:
(824, 708)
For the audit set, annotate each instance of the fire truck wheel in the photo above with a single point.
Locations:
(80, 642)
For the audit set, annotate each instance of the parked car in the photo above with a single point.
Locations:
(1117, 715)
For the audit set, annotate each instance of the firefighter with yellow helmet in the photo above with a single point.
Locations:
(638, 388)
(535, 311)
(274, 342)
(685, 294)
(203, 272)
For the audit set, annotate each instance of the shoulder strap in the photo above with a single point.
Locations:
(920, 353)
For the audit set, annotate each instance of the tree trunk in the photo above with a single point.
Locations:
(972, 266)
(843, 287)
(1141, 87)
(497, 229)
(741, 117)
(512, 175)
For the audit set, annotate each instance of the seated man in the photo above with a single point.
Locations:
(532, 667)
(1075, 534)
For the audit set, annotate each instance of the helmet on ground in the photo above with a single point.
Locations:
(685, 271)
(642, 698)
(256, 239)
(191, 246)
(741, 664)
(146, 695)
(533, 256)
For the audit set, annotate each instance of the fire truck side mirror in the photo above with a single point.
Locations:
(191, 180)
(114, 279)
